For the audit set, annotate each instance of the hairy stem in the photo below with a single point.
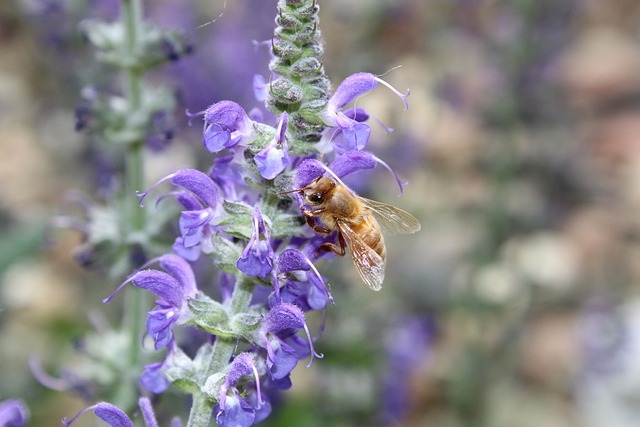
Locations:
(223, 348)
(133, 318)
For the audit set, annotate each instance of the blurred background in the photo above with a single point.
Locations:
(515, 306)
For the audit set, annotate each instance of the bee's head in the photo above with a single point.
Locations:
(318, 191)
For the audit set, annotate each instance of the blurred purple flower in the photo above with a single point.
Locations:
(115, 417)
(13, 413)
(408, 344)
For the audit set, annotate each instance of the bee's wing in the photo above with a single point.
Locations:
(391, 219)
(369, 264)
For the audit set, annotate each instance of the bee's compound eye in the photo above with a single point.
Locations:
(315, 197)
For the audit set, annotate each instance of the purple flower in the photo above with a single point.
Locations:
(203, 209)
(107, 412)
(233, 410)
(296, 280)
(257, 257)
(276, 335)
(115, 417)
(226, 124)
(260, 88)
(153, 379)
(173, 287)
(227, 172)
(604, 337)
(408, 342)
(355, 133)
(13, 413)
(343, 165)
(272, 160)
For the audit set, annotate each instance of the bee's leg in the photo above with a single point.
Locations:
(336, 249)
(309, 216)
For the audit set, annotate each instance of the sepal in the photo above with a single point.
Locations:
(238, 221)
(210, 315)
(187, 374)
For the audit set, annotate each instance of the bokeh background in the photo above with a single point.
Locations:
(515, 306)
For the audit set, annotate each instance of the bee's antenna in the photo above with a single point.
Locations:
(295, 190)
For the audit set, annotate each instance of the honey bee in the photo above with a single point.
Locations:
(359, 222)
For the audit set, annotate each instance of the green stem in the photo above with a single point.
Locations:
(133, 318)
(132, 22)
(223, 348)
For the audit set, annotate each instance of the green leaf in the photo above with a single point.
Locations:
(239, 221)
(225, 253)
(211, 316)
(212, 385)
(182, 371)
(245, 323)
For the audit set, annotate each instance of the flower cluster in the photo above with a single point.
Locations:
(239, 214)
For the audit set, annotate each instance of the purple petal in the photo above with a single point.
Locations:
(192, 226)
(283, 316)
(236, 413)
(307, 171)
(161, 284)
(260, 88)
(160, 323)
(350, 88)
(199, 184)
(352, 161)
(271, 161)
(284, 360)
(263, 409)
(181, 270)
(215, 138)
(317, 297)
(241, 366)
(256, 261)
(275, 157)
(191, 253)
(226, 114)
(355, 134)
(188, 201)
(153, 379)
(292, 260)
(112, 415)
(227, 174)
(357, 114)
(13, 413)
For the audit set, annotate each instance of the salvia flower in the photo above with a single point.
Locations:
(13, 413)
(277, 336)
(233, 409)
(296, 280)
(173, 287)
(342, 166)
(153, 379)
(257, 257)
(355, 133)
(203, 210)
(226, 124)
(115, 417)
(272, 160)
